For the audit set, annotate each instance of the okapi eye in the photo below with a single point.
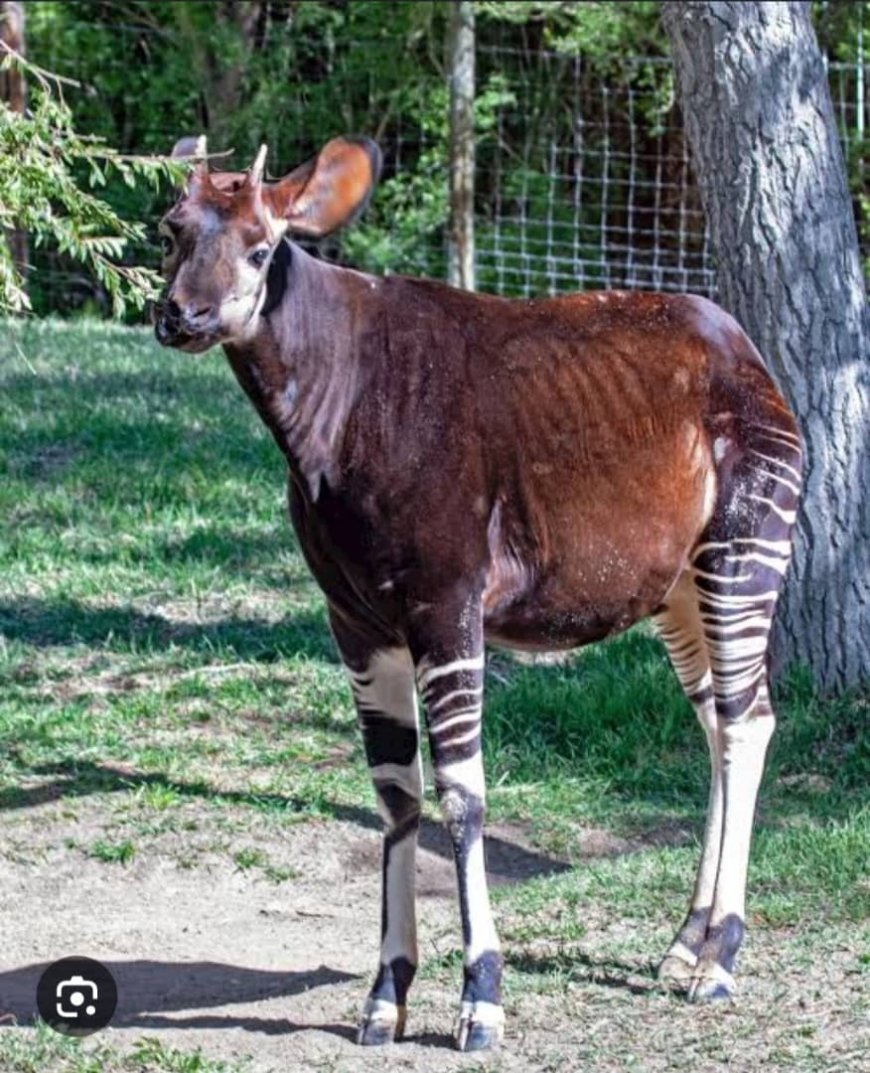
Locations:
(258, 257)
(167, 245)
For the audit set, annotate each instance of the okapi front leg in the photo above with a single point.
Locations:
(386, 703)
(450, 681)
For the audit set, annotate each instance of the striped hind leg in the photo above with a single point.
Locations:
(738, 570)
(680, 628)
(382, 681)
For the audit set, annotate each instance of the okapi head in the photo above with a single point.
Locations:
(219, 237)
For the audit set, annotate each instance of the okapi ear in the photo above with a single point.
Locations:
(329, 190)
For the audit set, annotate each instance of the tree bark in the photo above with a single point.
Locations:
(13, 92)
(460, 65)
(221, 79)
(761, 128)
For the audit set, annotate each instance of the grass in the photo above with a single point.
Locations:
(46, 1050)
(113, 852)
(163, 650)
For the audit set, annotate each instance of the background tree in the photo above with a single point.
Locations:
(13, 93)
(45, 169)
(761, 127)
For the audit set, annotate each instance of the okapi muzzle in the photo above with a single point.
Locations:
(465, 469)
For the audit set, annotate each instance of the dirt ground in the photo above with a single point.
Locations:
(215, 958)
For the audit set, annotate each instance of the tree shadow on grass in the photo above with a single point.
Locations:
(148, 990)
(636, 977)
(56, 623)
(262, 556)
(507, 861)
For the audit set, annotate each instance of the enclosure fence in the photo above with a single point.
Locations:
(602, 193)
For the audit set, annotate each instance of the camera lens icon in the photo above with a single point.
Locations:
(76, 996)
(74, 993)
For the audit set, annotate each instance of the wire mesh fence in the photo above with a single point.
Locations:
(591, 185)
(603, 194)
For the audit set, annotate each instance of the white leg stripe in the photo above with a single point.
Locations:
(710, 544)
(681, 951)
(739, 626)
(726, 601)
(781, 547)
(779, 565)
(722, 579)
(391, 689)
(400, 939)
(469, 736)
(472, 692)
(745, 745)
(379, 1009)
(780, 436)
(484, 1013)
(426, 676)
(483, 933)
(465, 773)
(788, 516)
(468, 716)
(792, 487)
(777, 462)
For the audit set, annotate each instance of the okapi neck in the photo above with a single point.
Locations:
(301, 368)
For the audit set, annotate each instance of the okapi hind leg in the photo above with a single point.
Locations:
(738, 571)
(382, 681)
(681, 630)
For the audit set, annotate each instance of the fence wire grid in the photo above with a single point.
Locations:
(603, 194)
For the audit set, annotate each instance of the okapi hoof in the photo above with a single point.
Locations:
(382, 1022)
(677, 967)
(676, 970)
(481, 1026)
(711, 983)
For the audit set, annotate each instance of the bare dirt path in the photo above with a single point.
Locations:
(215, 958)
(218, 959)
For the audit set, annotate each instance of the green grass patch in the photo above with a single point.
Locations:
(45, 1050)
(112, 852)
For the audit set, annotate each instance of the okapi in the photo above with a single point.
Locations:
(539, 474)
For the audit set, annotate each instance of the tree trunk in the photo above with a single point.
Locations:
(221, 71)
(460, 65)
(13, 93)
(761, 127)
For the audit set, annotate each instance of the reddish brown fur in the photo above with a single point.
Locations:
(571, 437)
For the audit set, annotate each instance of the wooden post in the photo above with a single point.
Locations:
(14, 95)
(460, 65)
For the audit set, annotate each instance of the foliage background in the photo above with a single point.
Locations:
(297, 72)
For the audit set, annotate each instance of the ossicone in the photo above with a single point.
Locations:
(193, 148)
(255, 175)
